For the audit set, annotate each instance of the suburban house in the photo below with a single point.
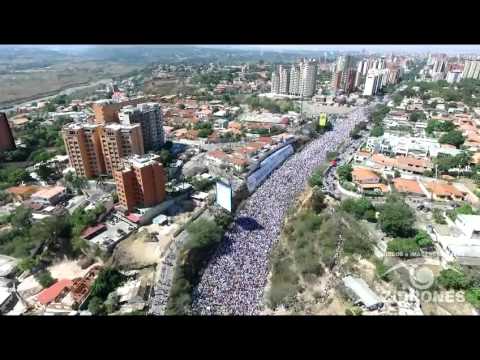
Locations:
(367, 179)
(408, 186)
(443, 191)
(49, 196)
(459, 241)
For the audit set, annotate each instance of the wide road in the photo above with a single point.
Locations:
(235, 277)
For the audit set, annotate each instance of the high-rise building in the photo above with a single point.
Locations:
(84, 149)
(281, 80)
(294, 83)
(284, 79)
(471, 69)
(439, 67)
(120, 141)
(141, 182)
(372, 82)
(454, 76)
(393, 74)
(336, 80)
(301, 80)
(344, 75)
(149, 116)
(7, 141)
(275, 82)
(106, 111)
(348, 80)
(309, 78)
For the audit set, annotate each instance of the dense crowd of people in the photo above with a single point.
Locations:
(234, 279)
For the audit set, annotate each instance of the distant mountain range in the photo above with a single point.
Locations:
(138, 54)
(44, 55)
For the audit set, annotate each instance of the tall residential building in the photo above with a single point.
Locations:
(439, 67)
(294, 83)
(84, 149)
(372, 82)
(303, 78)
(106, 111)
(309, 78)
(149, 116)
(120, 141)
(336, 80)
(348, 80)
(284, 79)
(7, 141)
(141, 182)
(344, 75)
(275, 82)
(454, 76)
(281, 80)
(471, 69)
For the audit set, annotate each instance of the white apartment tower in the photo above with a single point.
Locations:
(309, 78)
(372, 83)
(294, 86)
(471, 69)
(284, 77)
(275, 82)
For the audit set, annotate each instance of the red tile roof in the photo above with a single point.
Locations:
(92, 230)
(407, 186)
(50, 294)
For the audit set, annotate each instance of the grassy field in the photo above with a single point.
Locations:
(29, 84)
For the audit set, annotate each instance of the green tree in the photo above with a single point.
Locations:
(76, 183)
(318, 200)
(404, 248)
(454, 137)
(316, 179)
(45, 279)
(21, 218)
(203, 233)
(223, 219)
(96, 306)
(423, 239)
(465, 209)
(203, 133)
(397, 99)
(45, 172)
(377, 131)
(396, 217)
(359, 208)
(473, 297)
(165, 157)
(454, 279)
(108, 280)
(345, 172)
(417, 116)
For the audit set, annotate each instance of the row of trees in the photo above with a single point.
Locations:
(274, 106)
(461, 91)
(204, 236)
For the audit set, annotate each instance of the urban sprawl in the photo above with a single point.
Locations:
(344, 184)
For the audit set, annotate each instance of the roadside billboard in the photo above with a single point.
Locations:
(322, 120)
(223, 196)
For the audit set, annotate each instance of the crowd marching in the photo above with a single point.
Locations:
(234, 279)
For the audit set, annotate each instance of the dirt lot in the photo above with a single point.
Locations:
(68, 269)
(137, 251)
(32, 84)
